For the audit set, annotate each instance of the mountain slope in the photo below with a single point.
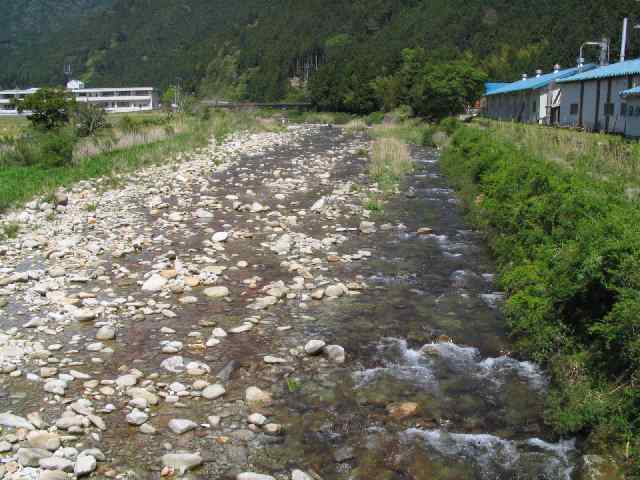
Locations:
(256, 45)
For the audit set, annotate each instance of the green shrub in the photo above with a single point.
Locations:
(568, 251)
(89, 119)
(449, 125)
(51, 148)
(375, 118)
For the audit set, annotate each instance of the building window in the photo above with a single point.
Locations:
(609, 109)
(574, 109)
(623, 109)
(535, 107)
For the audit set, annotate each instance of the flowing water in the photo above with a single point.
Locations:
(429, 333)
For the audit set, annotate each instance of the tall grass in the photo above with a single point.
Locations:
(414, 131)
(356, 125)
(601, 155)
(390, 161)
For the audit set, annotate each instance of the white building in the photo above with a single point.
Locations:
(601, 99)
(114, 100)
(531, 100)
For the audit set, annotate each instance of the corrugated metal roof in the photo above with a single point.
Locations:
(632, 92)
(620, 69)
(534, 83)
(492, 86)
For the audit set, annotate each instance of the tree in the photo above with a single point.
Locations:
(447, 89)
(50, 107)
(89, 119)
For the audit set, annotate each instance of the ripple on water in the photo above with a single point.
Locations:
(492, 456)
(425, 365)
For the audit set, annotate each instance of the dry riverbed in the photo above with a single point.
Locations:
(240, 314)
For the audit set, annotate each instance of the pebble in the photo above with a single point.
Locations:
(182, 461)
(212, 392)
(85, 465)
(180, 425)
(137, 417)
(335, 353)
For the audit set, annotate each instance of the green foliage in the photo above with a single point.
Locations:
(217, 46)
(50, 108)
(9, 230)
(89, 119)
(568, 250)
(430, 87)
(44, 148)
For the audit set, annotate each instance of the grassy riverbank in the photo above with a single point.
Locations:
(21, 183)
(565, 228)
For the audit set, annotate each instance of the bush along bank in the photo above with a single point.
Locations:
(568, 253)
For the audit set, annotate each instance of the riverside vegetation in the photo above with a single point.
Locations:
(35, 160)
(560, 213)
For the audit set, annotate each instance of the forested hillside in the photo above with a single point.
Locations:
(251, 48)
(26, 26)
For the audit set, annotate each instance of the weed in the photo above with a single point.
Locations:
(293, 384)
(10, 229)
(390, 161)
(91, 207)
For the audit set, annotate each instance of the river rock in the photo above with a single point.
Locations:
(335, 353)
(43, 440)
(150, 397)
(137, 417)
(181, 425)
(155, 283)
(300, 475)
(182, 461)
(14, 421)
(254, 395)
(30, 457)
(367, 227)
(314, 347)
(257, 419)
(56, 463)
(107, 332)
(253, 476)
(212, 392)
(85, 465)
(217, 292)
(220, 237)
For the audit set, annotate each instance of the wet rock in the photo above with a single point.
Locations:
(30, 457)
(85, 465)
(220, 237)
(148, 396)
(56, 387)
(14, 421)
(253, 476)
(225, 373)
(367, 227)
(85, 315)
(254, 395)
(424, 231)
(300, 475)
(335, 291)
(182, 461)
(137, 417)
(270, 359)
(273, 428)
(217, 292)
(180, 425)
(335, 353)
(257, 419)
(174, 364)
(213, 391)
(155, 283)
(56, 463)
(43, 440)
(107, 332)
(125, 381)
(53, 475)
(314, 347)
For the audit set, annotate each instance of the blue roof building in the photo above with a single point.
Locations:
(531, 100)
(603, 99)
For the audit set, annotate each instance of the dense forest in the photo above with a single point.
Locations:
(252, 49)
